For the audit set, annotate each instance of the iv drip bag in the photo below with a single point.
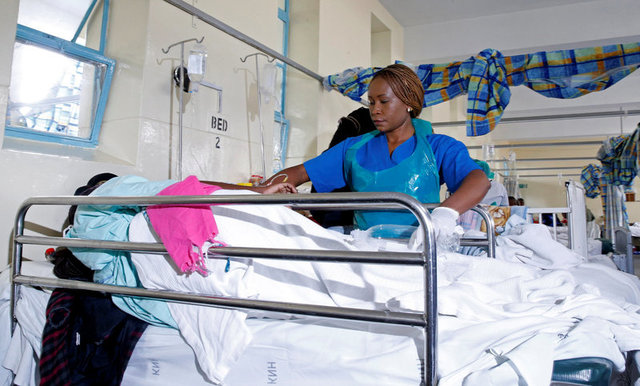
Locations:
(197, 62)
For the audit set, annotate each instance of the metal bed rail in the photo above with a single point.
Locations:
(553, 212)
(425, 258)
(623, 246)
(489, 242)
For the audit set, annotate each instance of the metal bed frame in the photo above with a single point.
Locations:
(574, 222)
(623, 246)
(346, 201)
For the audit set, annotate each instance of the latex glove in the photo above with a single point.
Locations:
(446, 229)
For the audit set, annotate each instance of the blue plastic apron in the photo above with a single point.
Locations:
(416, 175)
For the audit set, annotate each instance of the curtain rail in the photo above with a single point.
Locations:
(546, 159)
(540, 144)
(597, 114)
(188, 8)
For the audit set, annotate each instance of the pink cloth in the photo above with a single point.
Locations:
(185, 230)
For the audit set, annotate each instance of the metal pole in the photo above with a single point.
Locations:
(547, 159)
(597, 114)
(180, 111)
(546, 175)
(188, 8)
(541, 168)
(264, 166)
(540, 144)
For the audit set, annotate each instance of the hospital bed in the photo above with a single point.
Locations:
(574, 235)
(423, 260)
(575, 213)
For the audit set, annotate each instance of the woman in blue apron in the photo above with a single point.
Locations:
(400, 156)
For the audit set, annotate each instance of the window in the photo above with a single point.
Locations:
(58, 89)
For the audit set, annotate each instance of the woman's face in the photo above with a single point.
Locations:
(387, 111)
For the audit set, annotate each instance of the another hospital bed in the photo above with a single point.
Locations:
(574, 235)
(575, 213)
(426, 259)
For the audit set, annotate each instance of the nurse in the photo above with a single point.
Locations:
(399, 156)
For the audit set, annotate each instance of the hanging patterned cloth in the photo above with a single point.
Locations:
(486, 78)
(619, 158)
(590, 179)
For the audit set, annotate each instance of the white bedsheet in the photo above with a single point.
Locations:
(493, 312)
(285, 353)
(18, 352)
(301, 352)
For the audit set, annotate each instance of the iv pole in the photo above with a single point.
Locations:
(180, 107)
(270, 59)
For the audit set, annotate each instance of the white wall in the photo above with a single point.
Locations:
(345, 43)
(140, 129)
(567, 26)
(328, 39)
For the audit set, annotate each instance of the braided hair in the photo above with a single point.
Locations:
(405, 85)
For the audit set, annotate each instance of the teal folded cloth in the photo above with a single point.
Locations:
(111, 223)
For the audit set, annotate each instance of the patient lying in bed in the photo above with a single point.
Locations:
(496, 315)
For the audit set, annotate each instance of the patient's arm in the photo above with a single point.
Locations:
(281, 187)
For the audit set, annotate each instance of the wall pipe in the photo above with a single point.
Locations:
(542, 168)
(540, 144)
(547, 159)
(547, 175)
(240, 36)
(597, 114)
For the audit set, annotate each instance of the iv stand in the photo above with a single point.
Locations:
(270, 59)
(180, 107)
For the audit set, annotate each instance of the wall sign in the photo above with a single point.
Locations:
(219, 124)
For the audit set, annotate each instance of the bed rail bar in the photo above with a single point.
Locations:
(553, 212)
(622, 245)
(426, 257)
(403, 318)
(490, 241)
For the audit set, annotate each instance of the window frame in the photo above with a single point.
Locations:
(75, 51)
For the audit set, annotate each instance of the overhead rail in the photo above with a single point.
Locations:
(536, 118)
(540, 144)
(546, 159)
(542, 168)
(188, 8)
(548, 175)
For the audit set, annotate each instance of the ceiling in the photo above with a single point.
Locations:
(415, 12)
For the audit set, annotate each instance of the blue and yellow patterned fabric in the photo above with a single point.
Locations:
(590, 179)
(486, 78)
(624, 166)
(619, 158)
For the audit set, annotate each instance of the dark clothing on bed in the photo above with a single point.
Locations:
(86, 340)
(67, 266)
